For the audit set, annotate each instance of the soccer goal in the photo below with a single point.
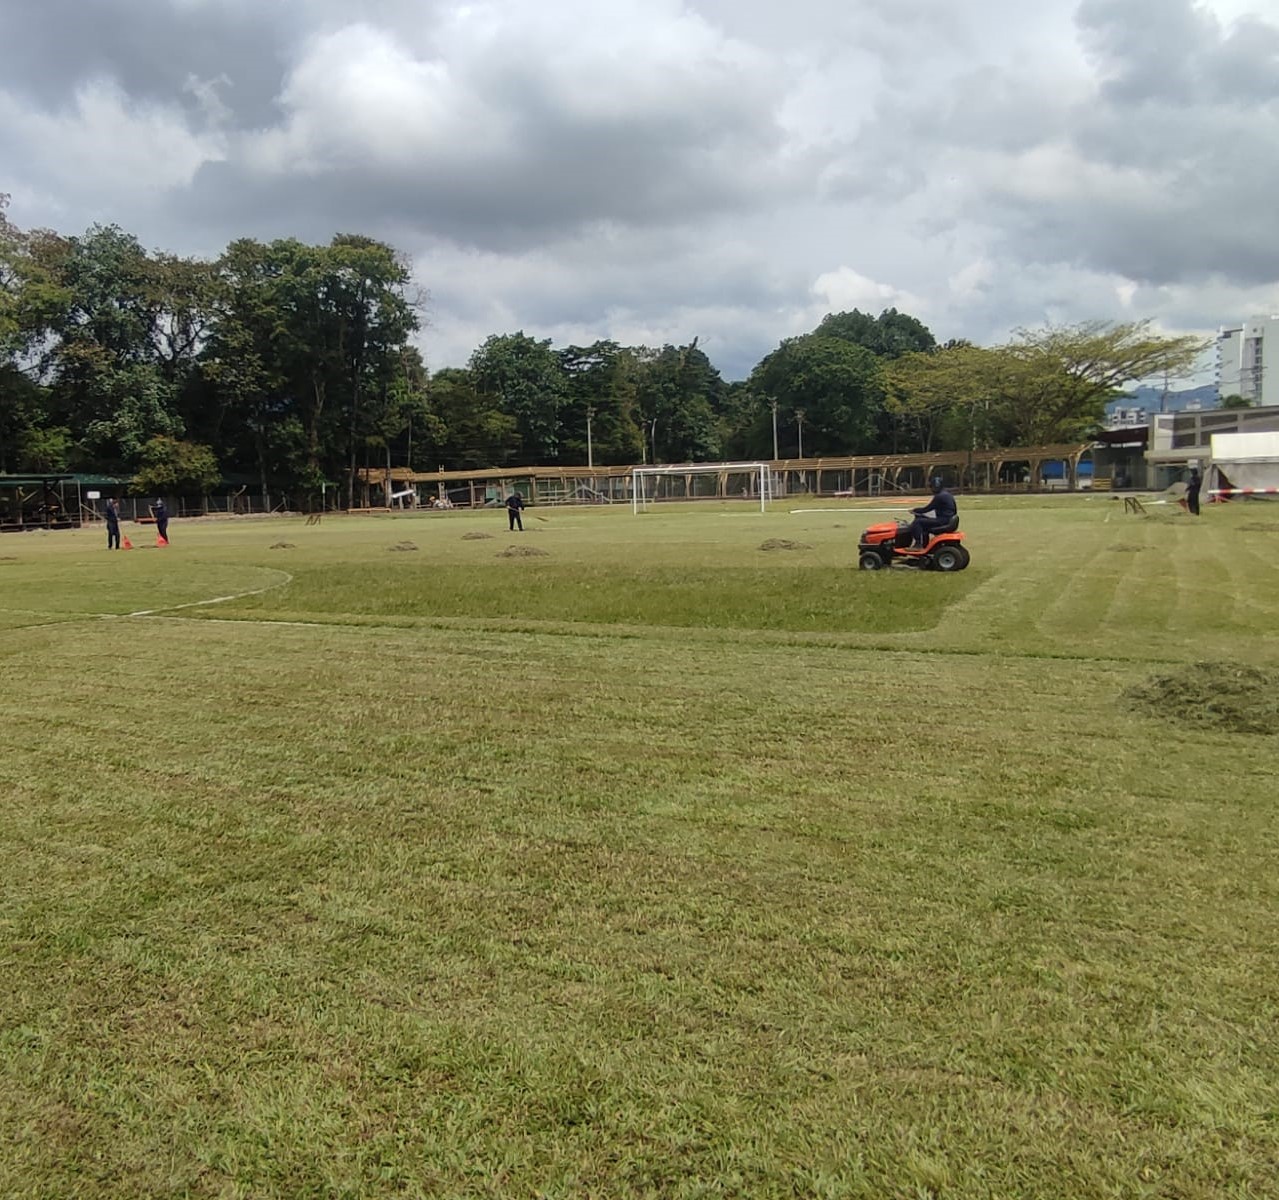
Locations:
(702, 481)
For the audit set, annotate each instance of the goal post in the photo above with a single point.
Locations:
(727, 481)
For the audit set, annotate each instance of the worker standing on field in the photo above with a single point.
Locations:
(161, 520)
(113, 525)
(514, 503)
(1192, 492)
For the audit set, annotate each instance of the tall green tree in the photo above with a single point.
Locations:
(306, 353)
(837, 386)
(19, 397)
(742, 419)
(955, 397)
(678, 394)
(598, 417)
(477, 431)
(169, 465)
(114, 378)
(249, 415)
(1056, 380)
(524, 376)
(30, 440)
(375, 317)
(400, 417)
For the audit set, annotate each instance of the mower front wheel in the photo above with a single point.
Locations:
(870, 561)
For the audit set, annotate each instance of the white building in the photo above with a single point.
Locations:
(1244, 368)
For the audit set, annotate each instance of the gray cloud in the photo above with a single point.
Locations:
(1169, 183)
(651, 168)
(150, 47)
(1157, 50)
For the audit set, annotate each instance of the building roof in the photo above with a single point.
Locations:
(16, 481)
(1132, 435)
(101, 481)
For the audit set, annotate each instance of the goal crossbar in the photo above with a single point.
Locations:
(760, 472)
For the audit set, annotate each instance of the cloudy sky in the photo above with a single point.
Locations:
(652, 170)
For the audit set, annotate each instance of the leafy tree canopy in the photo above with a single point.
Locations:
(889, 335)
(837, 385)
(524, 376)
(169, 466)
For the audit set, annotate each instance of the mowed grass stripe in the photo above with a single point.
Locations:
(1019, 575)
(1246, 570)
(1155, 587)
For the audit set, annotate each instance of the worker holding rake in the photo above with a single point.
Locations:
(514, 504)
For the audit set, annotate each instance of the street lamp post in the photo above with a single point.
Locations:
(799, 421)
(775, 455)
(590, 454)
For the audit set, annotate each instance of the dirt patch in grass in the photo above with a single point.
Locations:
(522, 552)
(475, 536)
(783, 544)
(1219, 695)
(283, 546)
(8, 558)
(403, 546)
(1126, 549)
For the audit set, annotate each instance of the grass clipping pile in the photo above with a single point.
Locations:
(1216, 695)
(783, 544)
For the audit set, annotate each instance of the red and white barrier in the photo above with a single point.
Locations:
(1274, 491)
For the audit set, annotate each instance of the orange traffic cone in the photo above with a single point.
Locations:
(161, 541)
(125, 544)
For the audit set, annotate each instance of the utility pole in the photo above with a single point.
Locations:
(799, 421)
(775, 454)
(590, 455)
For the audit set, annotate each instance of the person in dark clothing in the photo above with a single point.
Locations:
(937, 514)
(1192, 492)
(514, 503)
(161, 520)
(113, 525)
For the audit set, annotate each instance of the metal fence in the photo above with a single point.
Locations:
(141, 508)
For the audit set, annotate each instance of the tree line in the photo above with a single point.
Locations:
(288, 366)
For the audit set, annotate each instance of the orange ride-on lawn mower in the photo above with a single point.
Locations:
(888, 545)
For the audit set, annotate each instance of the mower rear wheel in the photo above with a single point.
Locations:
(965, 556)
(870, 561)
(948, 558)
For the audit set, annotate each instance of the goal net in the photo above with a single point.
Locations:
(751, 481)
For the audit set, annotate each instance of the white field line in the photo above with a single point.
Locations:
(285, 624)
(153, 612)
(848, 510)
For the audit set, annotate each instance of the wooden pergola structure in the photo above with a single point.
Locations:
(1008, 468)
(39, 502)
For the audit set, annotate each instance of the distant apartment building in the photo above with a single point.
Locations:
(1244, 367)
(1184, 439)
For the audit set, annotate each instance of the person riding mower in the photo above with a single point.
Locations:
(939, 515)
(931, 541)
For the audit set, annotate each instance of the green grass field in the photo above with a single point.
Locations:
(653, 865)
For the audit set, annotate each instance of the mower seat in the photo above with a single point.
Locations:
(949, 527)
